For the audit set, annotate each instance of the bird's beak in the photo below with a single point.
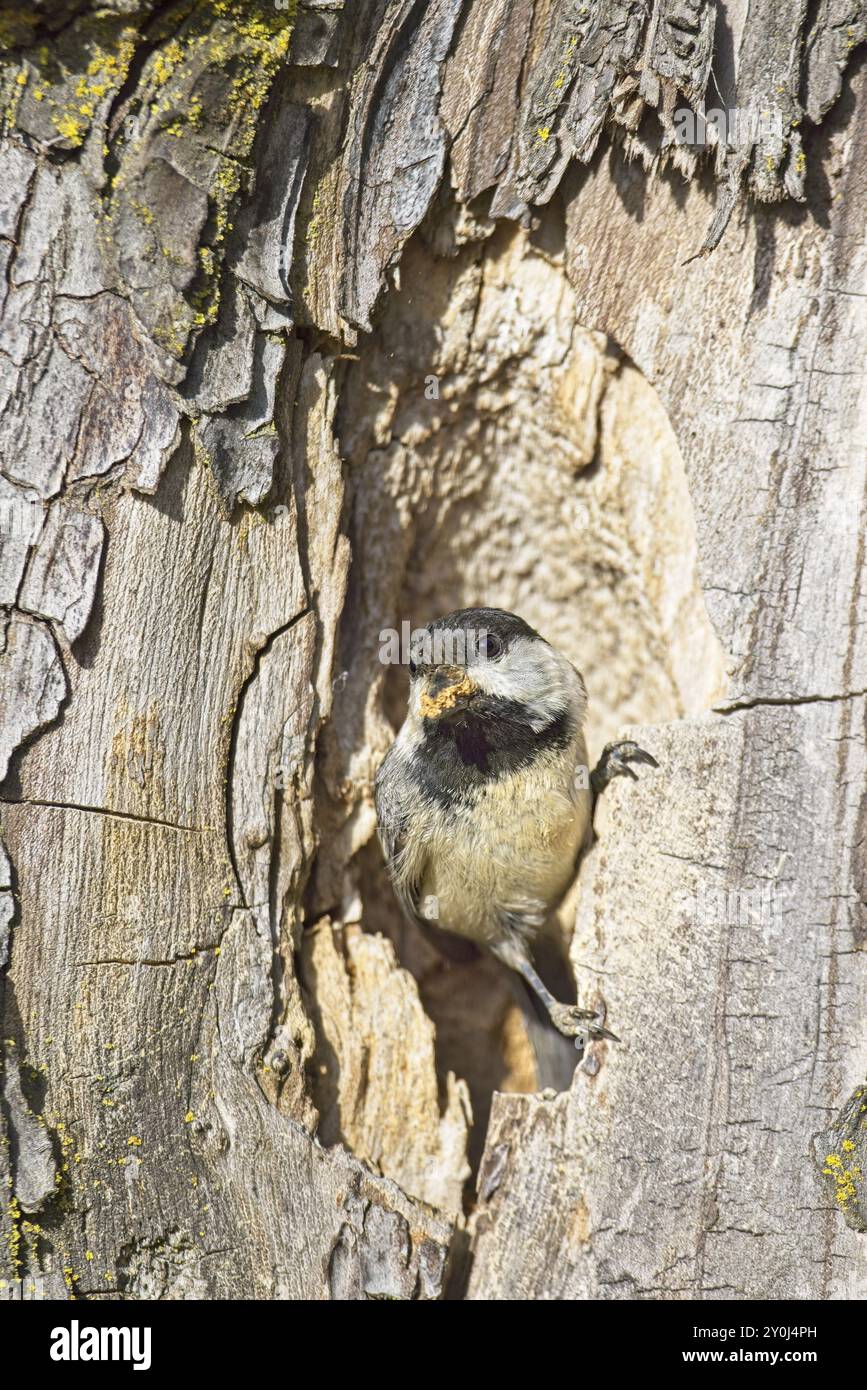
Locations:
(447, 689)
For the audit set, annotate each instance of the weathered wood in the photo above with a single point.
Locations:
(766, 1038)
(681, 1163)
(278, 370)
(396, 146)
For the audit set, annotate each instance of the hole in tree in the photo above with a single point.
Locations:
(498, 453)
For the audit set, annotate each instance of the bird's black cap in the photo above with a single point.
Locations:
(503, 625)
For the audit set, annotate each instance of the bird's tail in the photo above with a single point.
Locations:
(556, 1056)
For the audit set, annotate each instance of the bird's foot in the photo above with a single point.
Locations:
(614, 762)
(584, 1025)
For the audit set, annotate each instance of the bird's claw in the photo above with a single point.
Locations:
(614, 762)
(584, 1025)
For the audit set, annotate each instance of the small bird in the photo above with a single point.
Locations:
(485, 800)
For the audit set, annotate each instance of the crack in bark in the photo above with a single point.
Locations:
(253, 674)
(105, 811)
(771, 701)
(183, 958)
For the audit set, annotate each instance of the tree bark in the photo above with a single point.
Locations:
(317, 321)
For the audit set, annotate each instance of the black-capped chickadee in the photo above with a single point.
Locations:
(485, 801)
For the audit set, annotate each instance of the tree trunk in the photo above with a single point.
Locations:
(319, 321)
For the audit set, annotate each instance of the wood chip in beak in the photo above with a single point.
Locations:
(432, 706)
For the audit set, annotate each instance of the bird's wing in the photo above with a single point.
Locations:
(392, 819)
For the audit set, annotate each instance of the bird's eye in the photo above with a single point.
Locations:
(489, 646)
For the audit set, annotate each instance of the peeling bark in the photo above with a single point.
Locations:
(314, 323)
